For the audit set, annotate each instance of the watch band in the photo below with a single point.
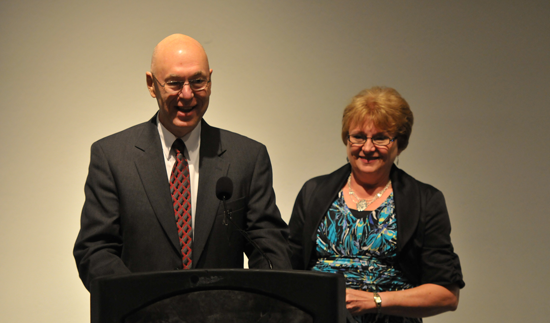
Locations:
(378, 301)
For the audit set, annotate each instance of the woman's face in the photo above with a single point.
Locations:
(370, 161)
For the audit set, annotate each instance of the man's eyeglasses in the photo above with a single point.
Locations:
(381, 141)
(172, 87)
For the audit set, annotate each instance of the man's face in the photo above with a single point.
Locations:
(180, 111)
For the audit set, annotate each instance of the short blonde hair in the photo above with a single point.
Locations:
(385, 108)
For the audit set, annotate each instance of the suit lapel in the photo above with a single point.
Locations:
(211, 167)
(152, 171)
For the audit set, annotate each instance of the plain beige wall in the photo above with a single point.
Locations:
(475, 73)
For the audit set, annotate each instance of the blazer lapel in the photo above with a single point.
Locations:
(152, 171)
(407, 206)
(211, 167)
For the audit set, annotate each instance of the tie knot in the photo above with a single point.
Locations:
(178, 146)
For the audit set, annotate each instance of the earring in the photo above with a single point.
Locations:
(397, 161)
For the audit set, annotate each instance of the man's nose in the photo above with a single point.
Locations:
(186, 93)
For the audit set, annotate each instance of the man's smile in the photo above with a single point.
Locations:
(186, 109)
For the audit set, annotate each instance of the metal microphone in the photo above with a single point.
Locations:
(224, 191)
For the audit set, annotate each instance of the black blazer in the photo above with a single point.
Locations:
(424, 249)
(128, 224)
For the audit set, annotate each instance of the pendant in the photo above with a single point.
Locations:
(361, 205)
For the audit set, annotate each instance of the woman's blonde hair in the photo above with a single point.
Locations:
(385, 108)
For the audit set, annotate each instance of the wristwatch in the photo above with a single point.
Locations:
(378, 301)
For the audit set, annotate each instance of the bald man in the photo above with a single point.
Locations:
(129, 222)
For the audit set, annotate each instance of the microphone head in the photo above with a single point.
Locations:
(224, 188)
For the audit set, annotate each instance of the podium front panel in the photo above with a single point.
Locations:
(231, 295)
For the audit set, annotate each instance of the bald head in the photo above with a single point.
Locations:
(177, 47)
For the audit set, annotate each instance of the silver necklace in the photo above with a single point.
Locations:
(364, 203)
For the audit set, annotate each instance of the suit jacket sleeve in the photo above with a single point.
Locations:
(297, 227)
(98, 246)
(263, 220)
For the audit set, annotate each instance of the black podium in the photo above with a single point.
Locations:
(232, 295)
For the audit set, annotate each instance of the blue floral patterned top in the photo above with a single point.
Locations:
(363, 247)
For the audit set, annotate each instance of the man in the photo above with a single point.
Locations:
(132, 220)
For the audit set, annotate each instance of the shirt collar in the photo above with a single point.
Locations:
(191, 140)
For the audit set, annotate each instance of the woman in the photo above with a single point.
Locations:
(388, 233)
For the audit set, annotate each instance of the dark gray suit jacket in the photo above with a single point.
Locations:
(128, 224)
(424, 249)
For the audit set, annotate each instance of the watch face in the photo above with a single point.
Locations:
(377, 300)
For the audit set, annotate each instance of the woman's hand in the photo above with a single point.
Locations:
(359, 302)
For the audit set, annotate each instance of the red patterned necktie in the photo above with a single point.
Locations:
(180, 188)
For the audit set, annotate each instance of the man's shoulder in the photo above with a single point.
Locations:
(123, 144)
(236, 137)
(125, 135)
(230, 138)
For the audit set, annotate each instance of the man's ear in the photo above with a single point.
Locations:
(150, 84)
